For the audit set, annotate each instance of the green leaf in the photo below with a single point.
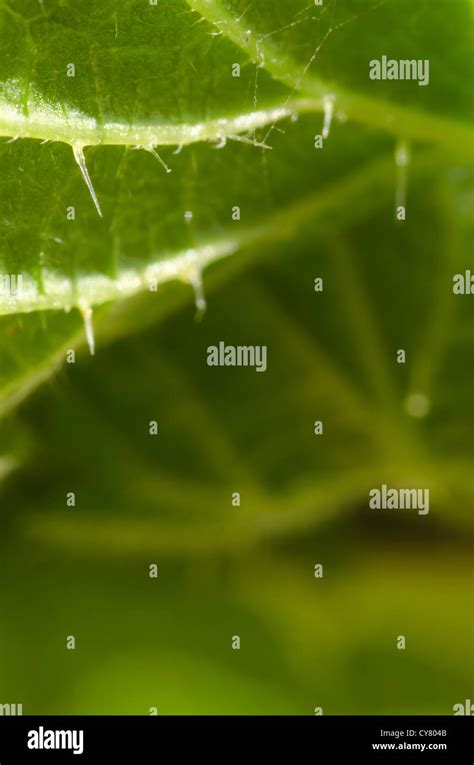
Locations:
(149, 75)
(146, 76)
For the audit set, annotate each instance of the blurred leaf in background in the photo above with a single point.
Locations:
(252, 198)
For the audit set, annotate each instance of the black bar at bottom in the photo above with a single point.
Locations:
(32, 739)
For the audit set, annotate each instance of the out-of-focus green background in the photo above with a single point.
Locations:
(306, 642)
